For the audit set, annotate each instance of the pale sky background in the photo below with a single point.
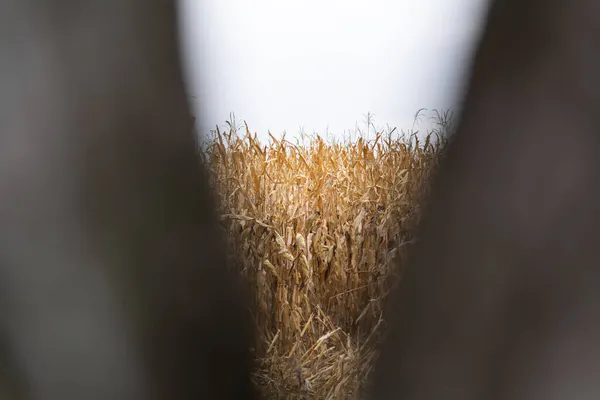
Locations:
(323, 64)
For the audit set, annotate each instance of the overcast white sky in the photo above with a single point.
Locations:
(319, 64)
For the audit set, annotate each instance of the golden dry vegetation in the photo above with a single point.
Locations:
(318, 230)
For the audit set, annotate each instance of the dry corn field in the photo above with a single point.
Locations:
(317, 229)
